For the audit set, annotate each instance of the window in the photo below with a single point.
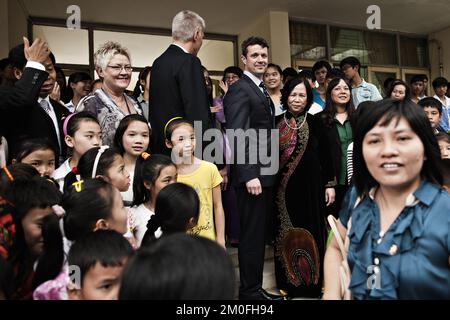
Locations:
(369, 47)
(308, 41)
(68, 46)
(414, 52)
(71, 47)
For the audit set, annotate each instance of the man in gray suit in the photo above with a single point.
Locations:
(248, 107)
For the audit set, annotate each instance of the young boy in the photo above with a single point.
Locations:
(417, 84)
(446, 174)
(443, 140)
(433, 109)
(361, 90)
(96, 262)
(440, 86)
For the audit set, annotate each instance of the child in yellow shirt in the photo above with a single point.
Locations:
(203, 176)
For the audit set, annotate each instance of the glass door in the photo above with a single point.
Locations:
(407, 74)
(378, 75)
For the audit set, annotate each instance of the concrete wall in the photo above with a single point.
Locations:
(279, 39)
(258, 27)
(17, 23)
(439, 48)
(4, 37)
(274, 27)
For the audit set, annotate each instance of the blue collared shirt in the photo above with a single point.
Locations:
(411, 259)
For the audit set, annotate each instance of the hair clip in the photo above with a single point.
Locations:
(8, 174)
(78, 185)
(145, 155)
(66, 122)
(58, 210)
(168, 122)
(97, 159)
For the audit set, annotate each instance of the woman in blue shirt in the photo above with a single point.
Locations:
(400, 217)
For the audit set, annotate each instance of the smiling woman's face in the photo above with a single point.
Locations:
(394, 154)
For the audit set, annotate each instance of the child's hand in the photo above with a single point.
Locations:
(223, 85)
(56, 93)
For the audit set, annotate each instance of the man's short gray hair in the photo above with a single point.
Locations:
(185, 24)
(107, 51)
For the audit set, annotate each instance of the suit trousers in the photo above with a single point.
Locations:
(253, 211)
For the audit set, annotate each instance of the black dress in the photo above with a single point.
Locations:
(304, 173)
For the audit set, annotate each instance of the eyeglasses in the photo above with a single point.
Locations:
(118, 69)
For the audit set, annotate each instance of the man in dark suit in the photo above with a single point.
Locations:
(40, 117)
(177, 88)
(26, 90)
(248, 107)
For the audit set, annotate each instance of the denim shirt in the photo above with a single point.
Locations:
(411, 260)
(365, 92)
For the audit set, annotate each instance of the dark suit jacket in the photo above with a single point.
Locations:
(21, 96)
(177, 89)
(334, 143)
(246, 107)
(34, 122)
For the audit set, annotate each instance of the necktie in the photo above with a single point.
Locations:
(269, 100)
(44, 104)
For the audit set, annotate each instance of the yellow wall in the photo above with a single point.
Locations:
(260, 27)
(274, 27)
(279, 39)
(440, 39)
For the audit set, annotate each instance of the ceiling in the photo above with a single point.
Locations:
(231, 16)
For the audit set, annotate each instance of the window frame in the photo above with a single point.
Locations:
(90, 26)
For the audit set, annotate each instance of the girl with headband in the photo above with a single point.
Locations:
(81, 133)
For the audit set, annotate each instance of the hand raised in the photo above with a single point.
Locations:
(38, 51)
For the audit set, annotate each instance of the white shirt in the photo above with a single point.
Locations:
(255, 79)
(60, 173)
(315, 108)
(35, 65)
(52, 115)
(447, 101)
(142, 215)
(127, 196)
(70, 106)
(3, 152)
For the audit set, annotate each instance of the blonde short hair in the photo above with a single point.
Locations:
(185, 24)
(107, 51)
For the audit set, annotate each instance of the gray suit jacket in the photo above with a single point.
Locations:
(247, 108)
